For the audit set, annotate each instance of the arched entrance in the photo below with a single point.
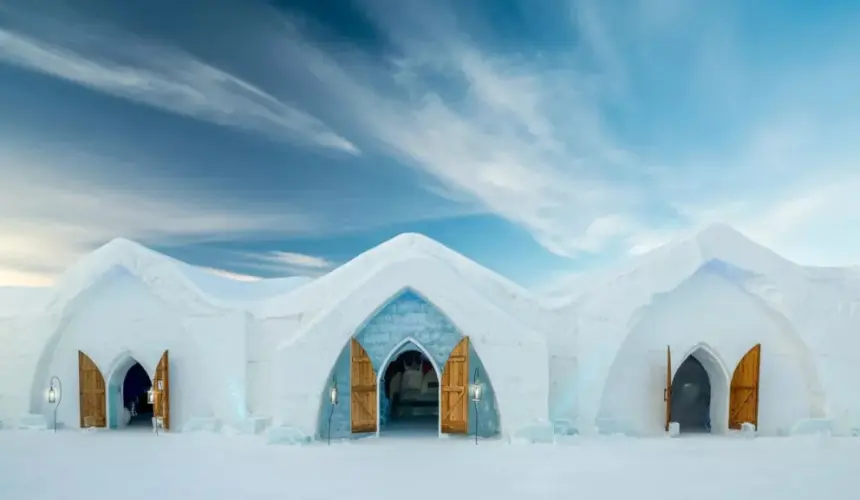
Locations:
(108, 402)
(128, 404)
(409, 391)
(699, 393)
(691, 397)
(408, 322)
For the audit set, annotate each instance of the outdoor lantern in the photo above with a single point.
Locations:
(332, 397)
(476, 389)
(332, 393)
(55, 395)
(150, 396)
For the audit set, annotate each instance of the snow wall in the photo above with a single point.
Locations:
(436, 308)
(23, 340)
(264, 336)
(711, 318)
(407, 322)
(118, 321)
(601, 367)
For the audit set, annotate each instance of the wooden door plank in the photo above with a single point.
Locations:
(455, 385)
(161, 390)
(744, 397)
(363, 408)
(92, 393)
(667, 391)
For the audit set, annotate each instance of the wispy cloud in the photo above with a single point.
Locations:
(287, 263)
(55, 207)
(527, 141)
(299, 260)
(231, 275)
(537, 138)
(168, 79)
(656, 121)
(48, 221)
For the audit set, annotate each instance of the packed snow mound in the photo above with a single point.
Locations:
(498, 290)
(159, 272)
(165, 276)
(175, 280)
(784, 285)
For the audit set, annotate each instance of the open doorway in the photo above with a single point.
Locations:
(128, 405)
(409, 395)
(135, 401)
(691, 397)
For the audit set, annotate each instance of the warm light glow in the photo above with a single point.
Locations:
(333, 394)
(52, 395)
(477, 390)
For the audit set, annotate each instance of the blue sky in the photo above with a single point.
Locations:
(540, 138)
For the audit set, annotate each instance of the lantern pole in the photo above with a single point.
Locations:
(333, 400)
(150, 398)
(54, 398)
(476, 397)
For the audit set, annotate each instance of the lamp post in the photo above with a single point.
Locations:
(476, 391)
(55, 396)
(332, 396)
(150, 399)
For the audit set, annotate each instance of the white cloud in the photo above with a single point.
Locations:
(47, 222)
(530, 140)
(287, 263)
(15, 278)
(533, 138)
(299, 260)
(231, 275)
(168, 79)
(290, 262)
(528, 145)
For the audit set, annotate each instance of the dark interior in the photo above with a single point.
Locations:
(134, 390)
(412, 404)
(691, 397)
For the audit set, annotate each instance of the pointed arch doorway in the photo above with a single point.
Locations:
(434, 402)
(697, 392)
(412, 322)
(128, 404)
(107, 403)
(409, 391)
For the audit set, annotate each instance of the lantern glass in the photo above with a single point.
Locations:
(150, 396)
(476, 390)
(333, 394)
(160, 385)
(52, 395)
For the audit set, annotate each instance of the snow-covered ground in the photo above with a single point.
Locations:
(138, 465)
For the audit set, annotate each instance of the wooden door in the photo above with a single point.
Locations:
(667, 391)
(743, 402)
(362, 390)
(455, 389)
(161, 391)
(93, 397)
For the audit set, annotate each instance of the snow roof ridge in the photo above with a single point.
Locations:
(148, 265)
(454, 258)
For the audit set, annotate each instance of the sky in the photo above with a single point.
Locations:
(540, 138)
